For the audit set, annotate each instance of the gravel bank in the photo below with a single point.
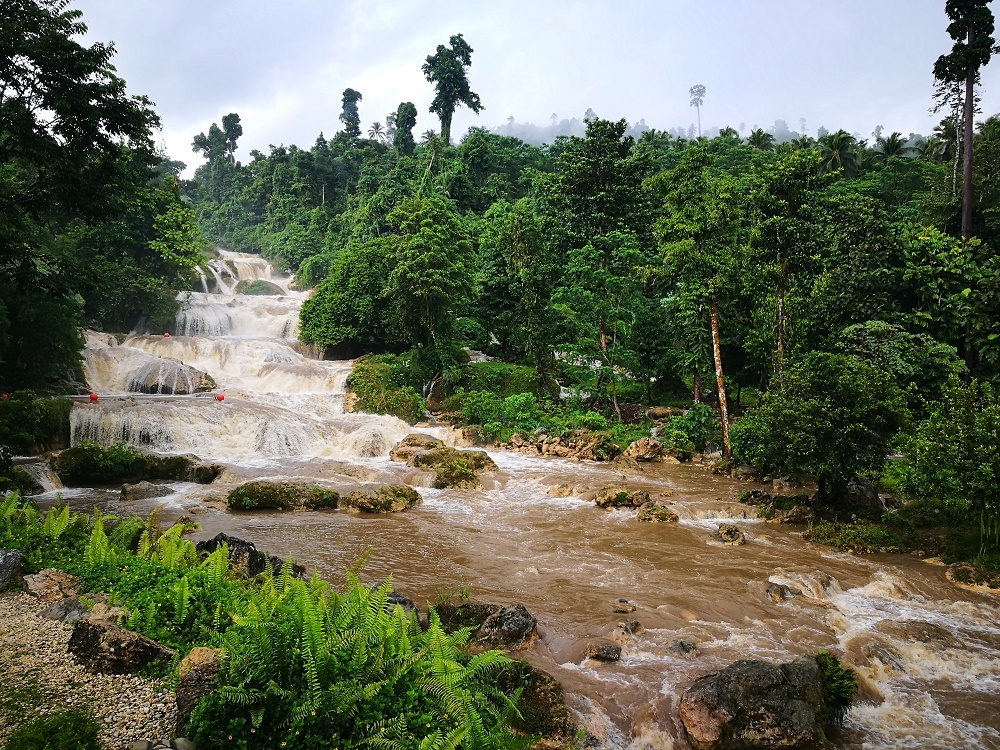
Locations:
(38, 676)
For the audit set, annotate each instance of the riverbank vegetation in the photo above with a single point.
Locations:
(303, 665)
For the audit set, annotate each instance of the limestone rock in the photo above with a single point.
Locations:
(260, 495)
(753, 704)
(604, 651)
(622, 607)
(10, 569)
(412, 443)
(409, 606)
(683, 647)
(144, 491)
(197, 673)
(621, 497)
(454, 469)
(644, 449)
(103, 612)
(244, 556)
(542, 708)
(656, 513)
(731, 534)
(51, 585)
(69, 610)
(109, 649)
(388, 498)
(470, 614)
(936, 637)
(778, 592)
(205, 473)
(511, 627)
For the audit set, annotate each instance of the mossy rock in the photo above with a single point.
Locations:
(281, 496)
(19, 481)
(468, 615)
(542, 707)
(656, 513)
(91, 464)
(259, 287)
(621, 497)
(388, 498)
(454, 469)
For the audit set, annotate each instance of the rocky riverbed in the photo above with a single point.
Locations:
(38, 676)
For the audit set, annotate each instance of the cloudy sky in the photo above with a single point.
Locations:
(851, 64)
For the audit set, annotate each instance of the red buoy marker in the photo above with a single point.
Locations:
(3, 396)
(219, 397)
(93, 398)
(166, 335)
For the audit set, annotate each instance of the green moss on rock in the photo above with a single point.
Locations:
(281, 496)
(88, 463)
(388, 498)
(453, 468)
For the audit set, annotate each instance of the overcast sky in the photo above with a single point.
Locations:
(851, 64)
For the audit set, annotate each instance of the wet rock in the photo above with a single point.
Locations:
(205, 473)
(86, 465)
(656, 513)
(644, 449)
(69, 610)
(622, 607)
(621, 497)
(632, 627)
(885, 653)
(51, 585)
(731, 534)
(10, 569)
(109, 649)
(412, 443)
(259, 287)
(779, 508)
(470, 614)
(542, 710)
(388, 498)
(604, 651)
(917, 631)
(453, 468)
(164, 376)
(967, 574)
(510, 628)
(197, 674)
(683, 647)
(244, 557)
(144, 491)
(753, 704)
(560, 490)
(409, 606)
(281, 496)
(778, 592)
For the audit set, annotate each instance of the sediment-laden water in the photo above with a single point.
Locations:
(568, 561)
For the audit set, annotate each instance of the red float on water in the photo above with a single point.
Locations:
(3, 396)
(219, 397)
(93, 397)
(166, 335)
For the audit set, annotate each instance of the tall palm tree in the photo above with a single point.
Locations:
(932, 149)
(697, 99)
(760, 140)
(839, 151)
(376, 133)
(893, 144)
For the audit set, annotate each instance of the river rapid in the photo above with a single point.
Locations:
(524, 539)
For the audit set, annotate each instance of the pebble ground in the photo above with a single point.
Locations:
(39, 676)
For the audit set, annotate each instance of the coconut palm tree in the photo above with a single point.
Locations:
(376, 133)
(893, 144)
(932, 149)
(839, 151)
(760, 140)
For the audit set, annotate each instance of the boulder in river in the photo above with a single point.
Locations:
(10, 569)
(144, 491)
(604, 651)
(50, 585)
(643, 449)
(621, 497)
(656, 513)
(753, 704)
(387, 498)
(110, 649)
(88, 464)
(542, 710)
(510, 628)
(468, 615)
(731, 534)
(453, 468)
(412, 443)
(259, 495)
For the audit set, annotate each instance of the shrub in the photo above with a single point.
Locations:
(89, 462)
(862, 537)
(379, 391)
(698, 425)
(66, 730)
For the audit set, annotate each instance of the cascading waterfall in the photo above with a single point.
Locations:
(283, 418)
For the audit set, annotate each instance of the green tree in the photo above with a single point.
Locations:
(697, 99)
(349, 113)
(972, 29)
(406, 120)
(446, 69)
(760, 140)
(831, 416)
(433, 268)
(698, 235)
(839, 151)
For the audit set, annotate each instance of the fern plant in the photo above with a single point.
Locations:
(56, 521)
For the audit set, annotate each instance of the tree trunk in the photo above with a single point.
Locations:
(697, 387)
(782, 283)
(698, 108)
(719, 379)
(543, 378)
(446, 127)
(970, 107)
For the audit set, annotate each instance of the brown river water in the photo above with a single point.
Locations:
(565, 559)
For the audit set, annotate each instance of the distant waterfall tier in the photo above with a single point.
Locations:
(122, 369)
(218, 315)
